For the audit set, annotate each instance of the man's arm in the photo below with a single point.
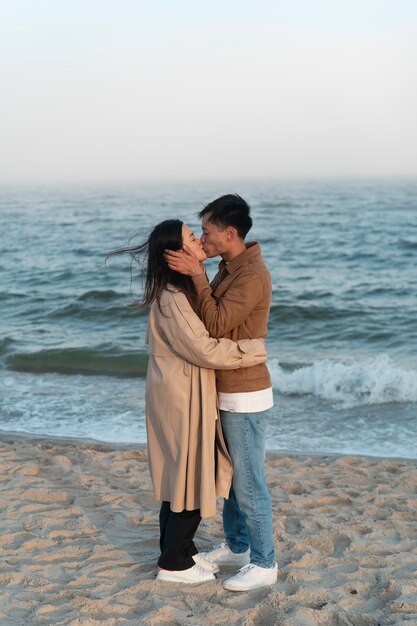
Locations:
(234, 306)
(222, 316)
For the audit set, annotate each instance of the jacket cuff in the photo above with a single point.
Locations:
(200, 282)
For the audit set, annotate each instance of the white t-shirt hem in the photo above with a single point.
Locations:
(247, 401)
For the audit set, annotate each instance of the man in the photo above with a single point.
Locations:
(236, 305)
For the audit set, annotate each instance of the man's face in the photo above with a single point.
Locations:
(214, 239)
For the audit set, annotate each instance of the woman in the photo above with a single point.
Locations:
(188, 460)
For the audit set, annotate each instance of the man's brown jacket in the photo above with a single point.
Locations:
(236, 305)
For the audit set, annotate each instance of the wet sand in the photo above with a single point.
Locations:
(79, 542)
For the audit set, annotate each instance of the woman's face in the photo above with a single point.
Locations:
(195, 245)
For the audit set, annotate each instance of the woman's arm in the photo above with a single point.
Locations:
(189, 338)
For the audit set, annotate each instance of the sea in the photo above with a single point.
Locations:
(342, 343)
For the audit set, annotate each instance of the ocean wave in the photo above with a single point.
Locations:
(79, 311)
(103, 360)
(349, 384)
(104, 294)
(289, 313)
(106, 304)
(6, 345)
(345, 383)
(408, 244)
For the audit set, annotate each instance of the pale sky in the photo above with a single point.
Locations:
(128, 90)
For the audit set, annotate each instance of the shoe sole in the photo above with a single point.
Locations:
(184, 582)
(230, 588)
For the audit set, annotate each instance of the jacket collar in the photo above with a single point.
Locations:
(252, 252)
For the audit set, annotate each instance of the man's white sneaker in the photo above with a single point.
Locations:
(190, 576)
(252, 577)
(222, 555)
(205, 563)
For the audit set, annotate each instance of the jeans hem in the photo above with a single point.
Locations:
(236, 551)
(263, 564)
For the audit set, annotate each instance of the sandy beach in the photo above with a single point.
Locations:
(79, 542)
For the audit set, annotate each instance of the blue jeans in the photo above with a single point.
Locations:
(247, 514)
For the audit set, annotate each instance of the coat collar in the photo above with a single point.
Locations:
(252, 252)
(173, 288)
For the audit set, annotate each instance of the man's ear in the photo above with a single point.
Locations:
(231, 233)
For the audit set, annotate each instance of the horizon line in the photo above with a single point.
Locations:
(213, 180)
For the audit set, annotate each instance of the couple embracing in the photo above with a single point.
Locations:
(208, 395)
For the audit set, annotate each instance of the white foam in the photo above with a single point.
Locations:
(353, 383)
(95, 407)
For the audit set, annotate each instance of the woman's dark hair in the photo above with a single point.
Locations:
(150, 258)
(229, 210)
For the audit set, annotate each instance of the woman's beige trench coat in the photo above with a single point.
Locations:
(188, 459)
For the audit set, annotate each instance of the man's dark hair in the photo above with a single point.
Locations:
(229, 210)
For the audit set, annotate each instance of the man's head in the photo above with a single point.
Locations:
(225, 222)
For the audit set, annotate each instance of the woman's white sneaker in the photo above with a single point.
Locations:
(190, 576)
(205, 564)
(252, 577)
(222, 555)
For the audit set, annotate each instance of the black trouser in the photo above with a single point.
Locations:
(176, 540)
